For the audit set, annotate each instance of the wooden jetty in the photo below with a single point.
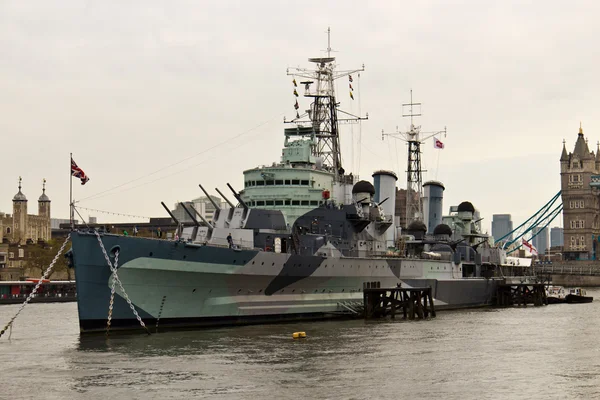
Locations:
(411, 303)
(521, 294)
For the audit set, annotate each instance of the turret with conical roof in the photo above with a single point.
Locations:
(564, 156)
(19, 216)
(581, 150)
(44, 213)
(19, 196)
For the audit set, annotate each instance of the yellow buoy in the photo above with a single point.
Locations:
(299, 335)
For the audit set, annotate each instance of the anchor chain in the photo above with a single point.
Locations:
(112, 295)
(116, 279)
(37, 286)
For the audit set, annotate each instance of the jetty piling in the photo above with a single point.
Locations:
(413, 303)
(521, 294)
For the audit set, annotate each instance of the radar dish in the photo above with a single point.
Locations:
(322, 60)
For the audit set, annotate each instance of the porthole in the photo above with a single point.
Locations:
(263, 263)
(194, 291)
(150, 254)
(184, 257)
(272, 265)
(252, 262)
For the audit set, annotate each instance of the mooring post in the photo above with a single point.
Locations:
(431, 303)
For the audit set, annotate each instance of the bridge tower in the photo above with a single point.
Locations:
(581, 210)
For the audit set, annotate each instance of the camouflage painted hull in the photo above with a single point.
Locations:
(173, 284)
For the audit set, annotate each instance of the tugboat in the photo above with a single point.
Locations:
(578, 295)
(555, 294)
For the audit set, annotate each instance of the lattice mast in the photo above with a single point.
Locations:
(322, 115)
(414, 172)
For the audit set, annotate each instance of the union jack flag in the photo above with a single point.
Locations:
(78, 173)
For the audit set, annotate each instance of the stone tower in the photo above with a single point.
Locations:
(44, 214)
(580, 202)
(20, 220)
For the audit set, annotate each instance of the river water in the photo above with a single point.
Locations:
(545, 352)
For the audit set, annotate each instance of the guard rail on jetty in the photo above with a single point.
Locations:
(574, 273)
(410, 302)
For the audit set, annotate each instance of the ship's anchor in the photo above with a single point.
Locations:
(115, 280)
(35, 289)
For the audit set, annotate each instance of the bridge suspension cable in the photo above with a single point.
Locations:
(544, 216)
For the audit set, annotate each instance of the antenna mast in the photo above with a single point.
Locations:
(321, 119)
(414, 172)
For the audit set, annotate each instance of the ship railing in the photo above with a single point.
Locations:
(584, 269)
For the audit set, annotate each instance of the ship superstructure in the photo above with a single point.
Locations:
(310, 171)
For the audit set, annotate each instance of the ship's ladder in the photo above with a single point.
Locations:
(351, 308)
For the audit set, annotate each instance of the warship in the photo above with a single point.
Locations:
(302, 240)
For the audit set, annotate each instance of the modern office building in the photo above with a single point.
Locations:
(501, 226)
(556, 237)
(540, 240)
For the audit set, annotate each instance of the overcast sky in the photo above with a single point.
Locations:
(160, 96)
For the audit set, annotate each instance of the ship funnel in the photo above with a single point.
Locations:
(433, 197)
(385, 196)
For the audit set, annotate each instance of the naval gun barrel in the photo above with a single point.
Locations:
(173, 218)
(225, 198)
(383, 201)
(201, 217)
(237, 197)
(189, 213)
(210, 198)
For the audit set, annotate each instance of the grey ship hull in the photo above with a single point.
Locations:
(177, 285)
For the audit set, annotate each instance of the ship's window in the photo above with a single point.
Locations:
(287, 202)
(260, 203)
(295, 181)
(246, 183)
(314, 203)
(270, 183)
(304, 202)
(287, 181)
(278, 202)
(269, 202)
(304, 183)
(295, 202)
(260, 183)
(279, 182)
